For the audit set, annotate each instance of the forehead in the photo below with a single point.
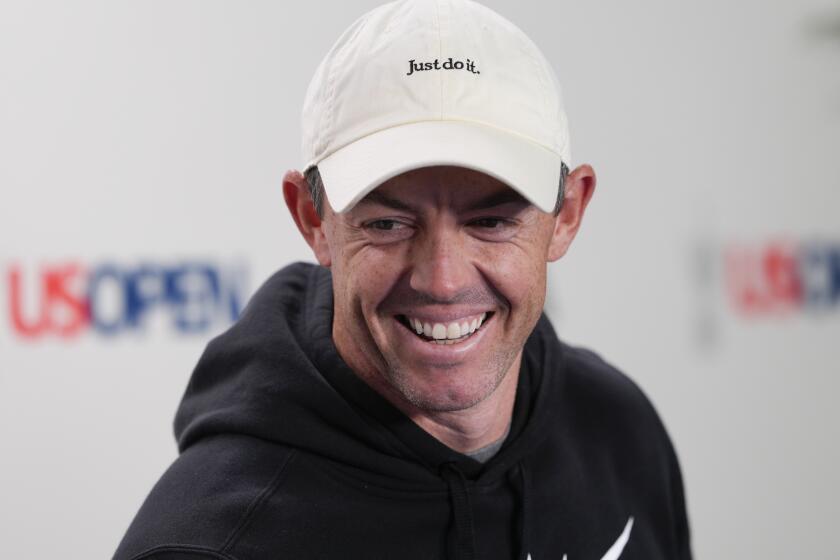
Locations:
(444, 185)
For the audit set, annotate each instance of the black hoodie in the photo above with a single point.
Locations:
(286, 454)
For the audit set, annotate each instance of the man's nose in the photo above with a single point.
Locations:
(441, 268)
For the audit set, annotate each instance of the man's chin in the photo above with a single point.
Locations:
(445, 387)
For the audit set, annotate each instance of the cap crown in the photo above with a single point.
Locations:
(423, 60)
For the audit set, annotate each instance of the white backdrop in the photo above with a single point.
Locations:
(142, 146)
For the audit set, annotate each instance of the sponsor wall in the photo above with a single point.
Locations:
(143, 146)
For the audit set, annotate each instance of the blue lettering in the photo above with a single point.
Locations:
(193, 291)
(98, 279)
(143, 290)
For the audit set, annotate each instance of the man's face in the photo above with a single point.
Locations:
(449, 252)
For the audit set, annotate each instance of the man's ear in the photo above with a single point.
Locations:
(579, 187)
(311, 226)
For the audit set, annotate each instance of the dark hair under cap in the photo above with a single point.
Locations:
(316, 188)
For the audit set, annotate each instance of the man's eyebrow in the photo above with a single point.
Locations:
(506, 196)
(377, 197)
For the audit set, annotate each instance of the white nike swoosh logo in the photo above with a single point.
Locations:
(615, 550)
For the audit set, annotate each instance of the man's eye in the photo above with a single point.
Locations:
(489, 223)
(384, 225)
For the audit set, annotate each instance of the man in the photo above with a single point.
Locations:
(407, 398)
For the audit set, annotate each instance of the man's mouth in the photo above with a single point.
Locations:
(452, 332)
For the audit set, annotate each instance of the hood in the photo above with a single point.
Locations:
(276, 375)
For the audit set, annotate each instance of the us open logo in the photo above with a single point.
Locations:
(782, 276)
(66, 298)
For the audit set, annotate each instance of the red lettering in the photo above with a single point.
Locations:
(781, 271)
(27, 328)
(761, 281)
(68, 313)
(60, 311)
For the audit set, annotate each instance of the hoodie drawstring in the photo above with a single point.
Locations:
(524, 525)
(464, 538)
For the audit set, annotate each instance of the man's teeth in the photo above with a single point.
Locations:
(448, 331)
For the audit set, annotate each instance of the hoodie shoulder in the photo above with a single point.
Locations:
(285, 289)
(205, 499)
(604, 390)
(601, 406)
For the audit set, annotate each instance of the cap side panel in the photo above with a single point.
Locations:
(339, 62)
(538, 72)
(320, 93)
(548, 78)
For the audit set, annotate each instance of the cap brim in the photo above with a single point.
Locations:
(357, 168)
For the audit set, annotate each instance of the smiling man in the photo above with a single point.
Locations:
(406, 397)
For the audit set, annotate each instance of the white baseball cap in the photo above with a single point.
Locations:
(416, 83)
